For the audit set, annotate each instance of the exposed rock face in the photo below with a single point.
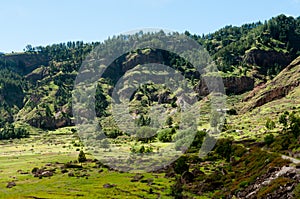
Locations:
(278, 88)
(274, 94)
(232, 85)
(60, 119)
(38, 74)
(237, 85)
(27, 62)
(285, 191)
(266, 59)
(147, 56)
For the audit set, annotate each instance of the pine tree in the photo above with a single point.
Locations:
(81, 157)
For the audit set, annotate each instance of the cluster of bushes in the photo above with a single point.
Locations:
(288, 138)
(11, 132)
(165, 135)
(141, 149)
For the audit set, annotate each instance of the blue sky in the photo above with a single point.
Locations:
(42, 22)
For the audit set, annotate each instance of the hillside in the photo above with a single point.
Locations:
(259, 65)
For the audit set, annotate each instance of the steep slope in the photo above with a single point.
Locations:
(279, 87)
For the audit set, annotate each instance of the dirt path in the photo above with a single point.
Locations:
(294, 160)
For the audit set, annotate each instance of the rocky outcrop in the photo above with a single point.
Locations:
(37, 74)
(285, 190)
(278, 88)
(265, 59)
(27, 62)
(58, 120)
(238, 85)
(155, 57)
(232, 85)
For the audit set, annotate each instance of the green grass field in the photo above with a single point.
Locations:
(54, 149)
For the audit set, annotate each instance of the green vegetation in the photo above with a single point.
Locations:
(43, 157)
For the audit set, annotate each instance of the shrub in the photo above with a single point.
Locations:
(181, 165)
(269, 139)
(141, 149)
(224, 148)
(113, 133)
(146, 134)
(270, 124)
(165, 135)
(231, 112)
(243, 184)
(81, 157)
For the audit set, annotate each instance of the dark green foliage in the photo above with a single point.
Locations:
(229, 44)
(224, 148)
(12, 88)
(146, 134)
(283, 119)
(198, 140)
(270, 124)
(11, 132)
(169, 121)
(181, 165)
(294, 124)
(143, 121)
(81, 157)
(231, 112)
(269, 139)
(165, 135)
(101, 102)
(141, 149)
(112, 133)
(291, 122)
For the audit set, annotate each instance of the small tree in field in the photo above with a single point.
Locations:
(81, 157)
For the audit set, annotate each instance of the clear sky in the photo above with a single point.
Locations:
(42, 22)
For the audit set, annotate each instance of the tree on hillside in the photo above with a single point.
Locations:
(81, 157)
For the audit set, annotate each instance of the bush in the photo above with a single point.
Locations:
(113, 133)
(270, 124)
(146, 134)
(165, 135)
(11, 132)
(269, 139)
(141, 149)
(198, 140)
(81, 157)
(181, 165)
(224, 148)
(231, 112)
(243, 184)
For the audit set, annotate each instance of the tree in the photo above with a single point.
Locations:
(224, 148)
(100, 102)
(181, 165)
(169, 121)
(294, 124)
(48, 111)
(165, 135)
(29, 48)
(270, 124)
(283, 119)
(146, 134)
(81, 157)
(269, 139)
